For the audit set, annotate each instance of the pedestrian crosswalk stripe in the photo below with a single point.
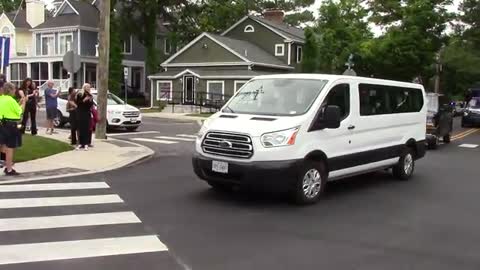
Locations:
(54, 186)
(468, 145)
(187, 136)
(132, 133)
(59, 201)
(176, 138)
(152, 140)
(49, 222)
(49, 251)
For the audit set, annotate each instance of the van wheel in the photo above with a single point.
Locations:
(446, 138)
(311, 182)
(406, 165)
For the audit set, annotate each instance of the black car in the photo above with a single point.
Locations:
(471, 115)
(439, 120)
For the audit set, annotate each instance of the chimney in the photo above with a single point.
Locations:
(35, 12)
(274, 15)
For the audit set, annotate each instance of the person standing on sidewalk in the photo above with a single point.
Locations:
(10, 116)
(84, 102)
(72, 111)
(28, 89)
(2, 155)
(51, 105)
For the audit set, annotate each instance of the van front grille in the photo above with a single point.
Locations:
(131, 114)
(228, 145)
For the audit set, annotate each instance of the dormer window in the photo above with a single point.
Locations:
(249, 29)
(279, 49)
(127, 45)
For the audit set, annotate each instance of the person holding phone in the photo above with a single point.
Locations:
(84, 101)
(28, 89)
(51, 104)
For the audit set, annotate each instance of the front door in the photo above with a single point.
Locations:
(188, 89)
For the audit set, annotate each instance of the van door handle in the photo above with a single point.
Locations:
(351, 127)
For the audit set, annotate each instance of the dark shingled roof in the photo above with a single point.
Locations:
(20, 21)
(289, 31)
(248, 50)
(89, 16)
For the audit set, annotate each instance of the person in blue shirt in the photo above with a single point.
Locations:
(51, 104)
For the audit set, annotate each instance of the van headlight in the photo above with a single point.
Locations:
(466, 113)
(280, 138)
(203, 129)
(114, 112)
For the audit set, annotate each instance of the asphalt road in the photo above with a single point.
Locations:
(366, 222)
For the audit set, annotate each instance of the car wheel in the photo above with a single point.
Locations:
(58, 121)
(447, 138)
(433, 144)
(311, 182)
(132, 128)
(406, 165)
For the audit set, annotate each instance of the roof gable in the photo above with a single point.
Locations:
(66, 8)
(84, 14)
(283, 30)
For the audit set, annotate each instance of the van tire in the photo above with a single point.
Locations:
(447, 138)
(402, 170)
(433, 144)
(313, 174)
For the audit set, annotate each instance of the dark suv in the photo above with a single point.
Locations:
(471, 115)
(439, 120)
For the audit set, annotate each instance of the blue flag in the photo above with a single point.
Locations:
(5, 51)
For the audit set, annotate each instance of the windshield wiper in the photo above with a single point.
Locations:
(228, 108)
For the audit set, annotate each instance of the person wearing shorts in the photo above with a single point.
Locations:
(10, 117)
(51, 104)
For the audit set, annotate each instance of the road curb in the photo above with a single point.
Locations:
(149, 153)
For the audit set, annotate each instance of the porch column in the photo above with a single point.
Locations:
(8, 74)
(142, 81)
(50, 70)
(84, 66)
(29, 70)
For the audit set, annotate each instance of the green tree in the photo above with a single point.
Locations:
(342, 28)
(310, 52)
(10, 5)
(414, 35)
(116, 56)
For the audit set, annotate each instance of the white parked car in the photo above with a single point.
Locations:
(119, 114)
(295, 132)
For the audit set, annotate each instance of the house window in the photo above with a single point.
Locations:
(299, 54)
(167, 46)
(279, 50)
(249, 29)
(18, 72)
(47, 44)
(215, 90)
(127, 46)
(6, 32)
(238, 85)
(65, 43)
(164, 90)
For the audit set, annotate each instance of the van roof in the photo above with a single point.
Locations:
(337, 77)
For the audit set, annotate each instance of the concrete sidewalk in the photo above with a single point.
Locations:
(104, 156)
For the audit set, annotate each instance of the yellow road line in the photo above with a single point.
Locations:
(464, 134)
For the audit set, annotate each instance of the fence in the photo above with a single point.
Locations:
(211, 102)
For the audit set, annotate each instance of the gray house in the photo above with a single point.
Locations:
(72, 26)
(213, 67)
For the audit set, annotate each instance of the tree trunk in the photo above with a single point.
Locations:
(104, 51)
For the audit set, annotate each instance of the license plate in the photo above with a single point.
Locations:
(220, 166)
(133, 119)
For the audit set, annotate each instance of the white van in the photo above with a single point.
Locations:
(295, 132)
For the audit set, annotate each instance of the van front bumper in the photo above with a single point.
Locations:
(278, 176)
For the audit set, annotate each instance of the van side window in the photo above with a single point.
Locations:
(382, 99)
(339, 96)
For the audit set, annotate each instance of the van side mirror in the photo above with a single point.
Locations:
(332, 117)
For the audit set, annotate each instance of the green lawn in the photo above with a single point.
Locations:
(200, 114)
(35, 147)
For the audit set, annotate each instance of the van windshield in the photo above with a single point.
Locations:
(287, 97)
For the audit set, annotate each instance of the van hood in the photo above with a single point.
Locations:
(254, 125)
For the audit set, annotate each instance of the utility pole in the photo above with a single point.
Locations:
(103, 55)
